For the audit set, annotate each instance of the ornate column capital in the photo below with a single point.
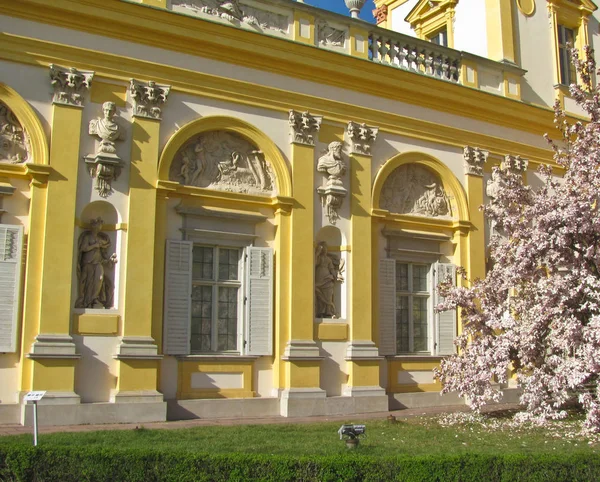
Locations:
(475, 159)
(361, 137)
(148, 98)
(380, 14)
(304, 127)
(69, 85)
(515, 164)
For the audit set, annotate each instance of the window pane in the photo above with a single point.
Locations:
(420, 322)
(201, 318)
(402, 326)
(420, 277)
(203, 263)
(567, 69)
(401, 277)
(227, 319)
(228, 264)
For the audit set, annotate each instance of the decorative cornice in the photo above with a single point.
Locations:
(69, 85)
(515, 164)
(508, 113)
(361, 137)
(475, 159)
(148, 98)
(304, 127)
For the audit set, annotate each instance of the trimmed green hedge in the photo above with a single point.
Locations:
(47, 464)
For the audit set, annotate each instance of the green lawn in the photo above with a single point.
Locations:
(416, 436)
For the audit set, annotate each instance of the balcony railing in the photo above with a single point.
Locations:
(302, 23)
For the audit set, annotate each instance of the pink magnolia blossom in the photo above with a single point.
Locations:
(536, 315)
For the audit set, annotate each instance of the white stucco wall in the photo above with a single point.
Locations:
(398, 15)
(534, 53)
(470, 32)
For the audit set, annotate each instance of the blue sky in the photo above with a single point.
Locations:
(339, 6)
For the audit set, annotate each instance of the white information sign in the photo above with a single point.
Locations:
(34, 396)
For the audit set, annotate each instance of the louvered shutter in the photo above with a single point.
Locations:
(446, 320)
(178, 297)
(387, 307)
(259, 303)
(11, 248)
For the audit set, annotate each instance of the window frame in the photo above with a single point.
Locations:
(572, 15)
(216, 283)
(429, 18)
(411, 294)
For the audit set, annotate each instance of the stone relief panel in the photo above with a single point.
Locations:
(329, 36)
(233, 11)
(14, 141)
(223, 161)
(413, 189)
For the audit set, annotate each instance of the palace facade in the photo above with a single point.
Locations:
(242, 208)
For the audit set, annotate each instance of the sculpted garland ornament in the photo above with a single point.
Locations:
(148, 98)
(69, 85)
(223, 161)
(14, 141)
(304, 127)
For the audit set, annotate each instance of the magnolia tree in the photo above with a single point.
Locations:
(536, 315)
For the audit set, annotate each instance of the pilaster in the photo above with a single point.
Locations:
(301, 354)
(500, 30)
(137, 355)
(474, 160)
(362, 355)
(53, 352)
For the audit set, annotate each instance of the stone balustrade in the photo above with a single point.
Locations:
(409, 53)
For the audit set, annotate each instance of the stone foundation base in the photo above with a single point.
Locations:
(93, 413)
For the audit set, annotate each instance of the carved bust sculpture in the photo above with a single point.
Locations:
(327, 273)
(332, 163)
(95, 289)
(106, 128)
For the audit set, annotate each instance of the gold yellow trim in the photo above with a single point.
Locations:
(180, 33)
(331, 331)
(30, 122)
(215, 123)
(483, 106)
(103, 324)
(450, 182)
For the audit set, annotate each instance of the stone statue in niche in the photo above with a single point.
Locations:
(105, 166)
(328, 272)
(14, 142)
(332, 194)
(95, 289)
(413, 189)
(224, 161)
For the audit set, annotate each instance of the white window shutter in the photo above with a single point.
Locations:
(178, 297)
(387, 306)
(259, 303)
(445, 320)
(11, 249)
